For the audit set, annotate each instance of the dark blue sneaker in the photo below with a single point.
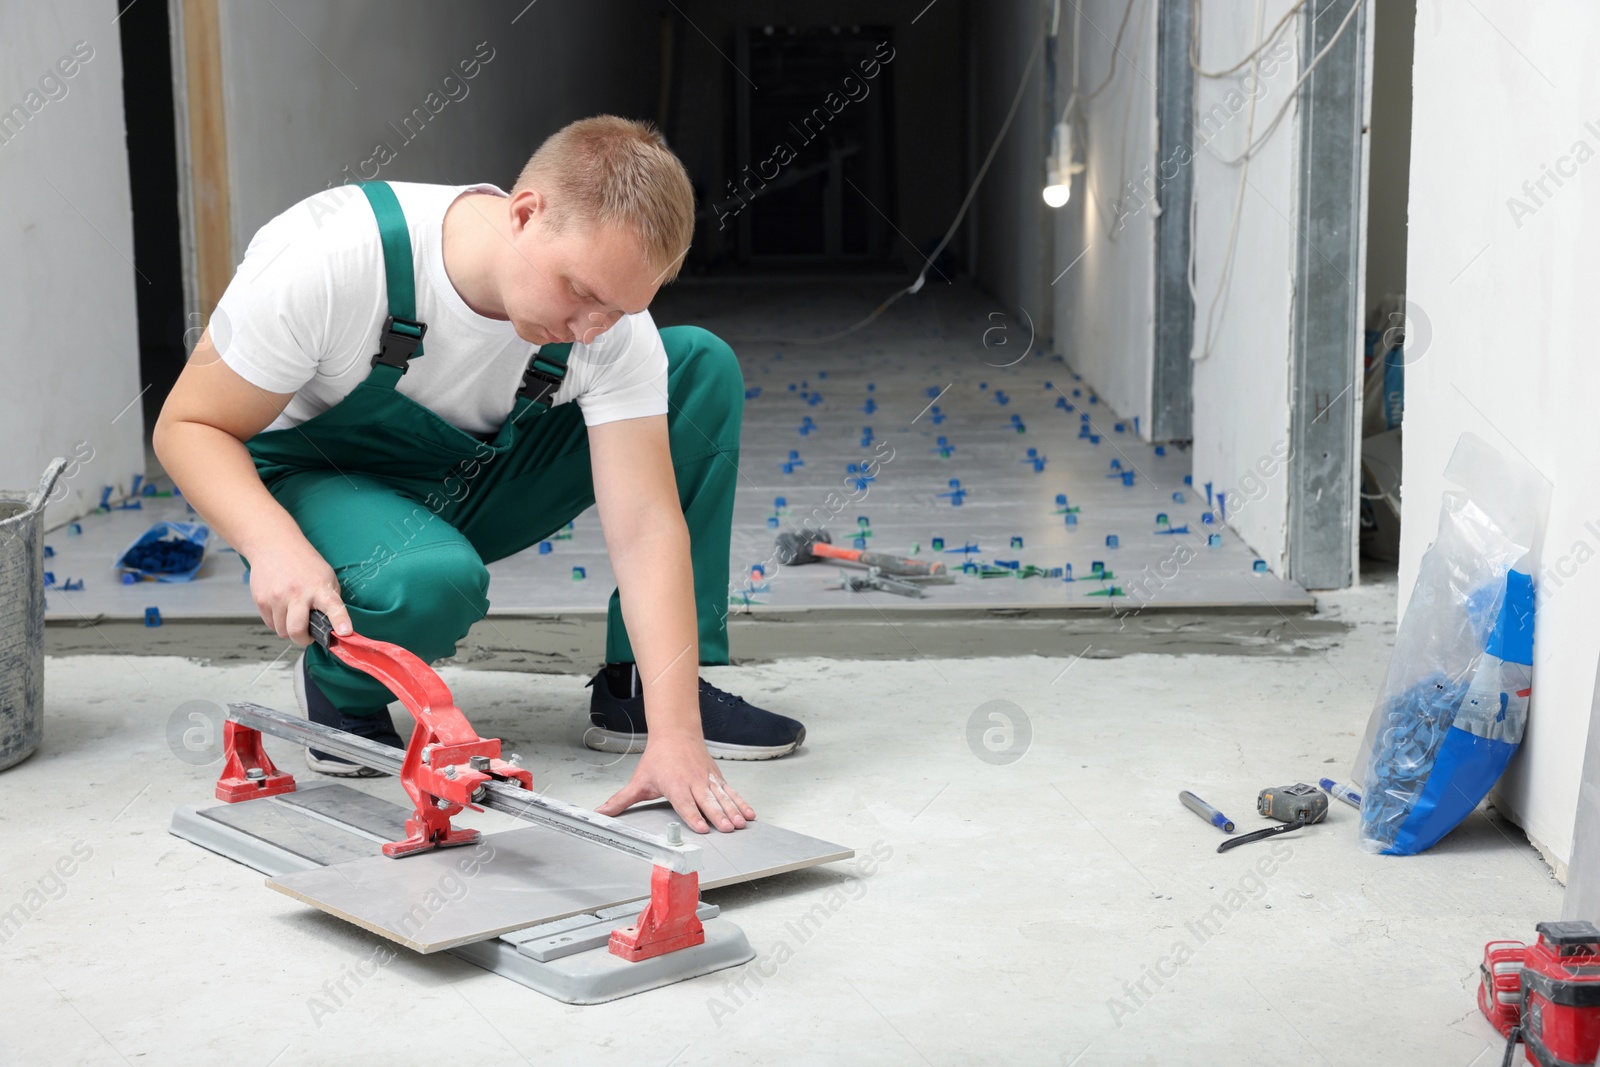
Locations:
(375, 725)
(735, 729)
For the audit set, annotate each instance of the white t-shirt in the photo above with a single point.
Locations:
(305, 308)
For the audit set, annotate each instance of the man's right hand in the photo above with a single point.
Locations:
(199, 438)
(287, 583)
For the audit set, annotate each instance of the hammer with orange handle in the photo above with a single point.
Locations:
(809, 546)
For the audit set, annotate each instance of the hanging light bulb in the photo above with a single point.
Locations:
(1056, 191)
(1059, 167)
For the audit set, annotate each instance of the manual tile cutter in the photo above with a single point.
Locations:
(447, 767)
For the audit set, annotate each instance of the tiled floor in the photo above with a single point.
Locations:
(958, 449)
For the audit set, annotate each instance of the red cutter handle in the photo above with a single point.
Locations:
(446, 760)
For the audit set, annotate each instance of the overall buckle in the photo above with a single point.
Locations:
(399, 342)
(540, 379)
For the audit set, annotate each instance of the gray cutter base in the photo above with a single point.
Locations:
(567, 960)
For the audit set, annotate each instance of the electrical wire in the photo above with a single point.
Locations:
(1122, 145)
(1194, 42)
(1116, 51)
(1238, 202)
(961, 213)
(1252, 146)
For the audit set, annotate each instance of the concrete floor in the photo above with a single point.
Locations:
(1013, 909)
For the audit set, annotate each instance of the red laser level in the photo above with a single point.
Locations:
(1560, 1022)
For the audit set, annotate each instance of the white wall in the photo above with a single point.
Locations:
(1105, 302)
(69, 365)
(1241, 374)
(1498, 98)
(300, 109)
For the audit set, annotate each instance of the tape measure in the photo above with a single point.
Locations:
(1293, 805)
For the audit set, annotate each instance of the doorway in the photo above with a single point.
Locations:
(146, 41)
(813, 156)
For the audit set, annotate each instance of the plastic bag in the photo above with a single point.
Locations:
(1455, 700)
(167, 552)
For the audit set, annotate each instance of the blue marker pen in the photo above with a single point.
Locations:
(1206, 811)
(1348, 794)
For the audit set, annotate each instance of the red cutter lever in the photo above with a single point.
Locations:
(446, 760)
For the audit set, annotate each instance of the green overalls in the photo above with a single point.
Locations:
(407, 508)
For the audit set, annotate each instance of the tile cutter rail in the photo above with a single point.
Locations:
(447, 768)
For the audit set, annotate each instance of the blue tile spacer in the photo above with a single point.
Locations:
(152, 616)
(545, 548)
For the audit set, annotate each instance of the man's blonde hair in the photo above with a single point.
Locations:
(610, 170)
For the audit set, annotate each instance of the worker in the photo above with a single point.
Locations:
(406, 382)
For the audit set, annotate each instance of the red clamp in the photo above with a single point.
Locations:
(446, 760)
(667, 923)
(248, 773)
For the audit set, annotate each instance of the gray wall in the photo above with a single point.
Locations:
(314, 88)
(70, 361)
(1242, 338)
(1105, 235)
(361, 67)
(1010, 222)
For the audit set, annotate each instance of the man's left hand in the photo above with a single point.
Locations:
(684, 773)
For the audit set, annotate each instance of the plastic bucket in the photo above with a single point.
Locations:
(22, 618)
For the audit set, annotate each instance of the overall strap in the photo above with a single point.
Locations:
(401, 339)
(543, 376)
